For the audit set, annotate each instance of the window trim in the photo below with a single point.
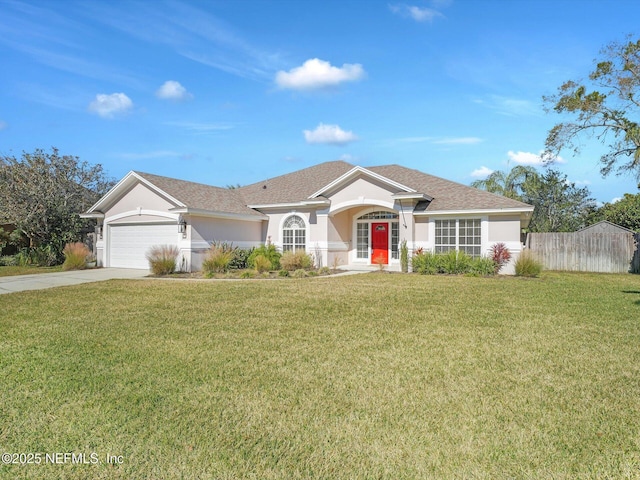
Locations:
(305, 229)
(457, 245)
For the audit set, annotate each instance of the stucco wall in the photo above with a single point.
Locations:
(364, 191)
(421, 232)
(504, 228)
(139, 196)
(203, 231)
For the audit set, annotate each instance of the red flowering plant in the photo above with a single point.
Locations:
(500, 255)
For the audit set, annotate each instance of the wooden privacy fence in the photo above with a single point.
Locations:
(587, 251)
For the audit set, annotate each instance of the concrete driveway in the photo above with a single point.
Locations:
(39, 281)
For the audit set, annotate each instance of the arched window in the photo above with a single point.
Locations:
(294, 233)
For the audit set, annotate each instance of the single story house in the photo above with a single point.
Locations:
(340, 213)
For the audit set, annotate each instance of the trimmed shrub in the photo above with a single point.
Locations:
(500, 255)
(324, 271)
(455, 262)
(295, 260)
(451, 262)
(482, 266)
(283, 273)
(299, 273)
(267, 251)
(162, 259)
(240, 258)
(425, 263)
(527, 265)
(217, 259)
(75, 256)
(262, 263)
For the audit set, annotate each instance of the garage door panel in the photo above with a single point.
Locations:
(129, 243)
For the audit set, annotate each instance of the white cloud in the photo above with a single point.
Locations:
(534, 159)
(108, 106)
(317, 74)
(482, 172)
(615, 199)
(329, 134)
(3, 125)
(172, 90)
(419, 14)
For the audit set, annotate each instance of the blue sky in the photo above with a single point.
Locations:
(232, 92)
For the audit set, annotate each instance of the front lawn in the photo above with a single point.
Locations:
(364, 376)
(8, 271)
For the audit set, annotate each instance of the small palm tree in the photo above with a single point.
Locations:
(509, 184)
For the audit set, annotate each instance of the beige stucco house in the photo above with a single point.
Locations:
(343, 214)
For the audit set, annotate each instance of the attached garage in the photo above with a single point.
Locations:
(128, 244)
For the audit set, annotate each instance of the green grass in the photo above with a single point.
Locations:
(6, 271)
(366, 376)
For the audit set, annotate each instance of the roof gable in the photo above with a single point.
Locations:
(181, 193)
(359, 172)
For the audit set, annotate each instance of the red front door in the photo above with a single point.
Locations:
(380, 243)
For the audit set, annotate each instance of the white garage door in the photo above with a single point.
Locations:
(129, 244)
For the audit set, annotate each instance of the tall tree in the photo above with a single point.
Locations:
(607, 106)
(625, 212)
(560, 206)
(508, 184)
(42, 194)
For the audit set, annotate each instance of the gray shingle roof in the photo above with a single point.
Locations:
(295, 186)
(200, 196)
(299, 185)
(447, 195)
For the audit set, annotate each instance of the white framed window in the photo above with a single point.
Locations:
(470, 236)
(395, 239)
(294, 234)
(463, 234)
(362, 241)
(445, 235)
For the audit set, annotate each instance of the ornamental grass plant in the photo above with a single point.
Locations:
(75, 256)
(527, 265)
(163, 259)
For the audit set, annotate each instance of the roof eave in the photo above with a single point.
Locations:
(199, 212)
(412, 196)
(96, 215)
(303, 203)
(475, 211)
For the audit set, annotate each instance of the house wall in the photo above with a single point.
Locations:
(506, 229)
(138, 205)
(140, 196)
(361, 191)
(203, 231)
(421, 232)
